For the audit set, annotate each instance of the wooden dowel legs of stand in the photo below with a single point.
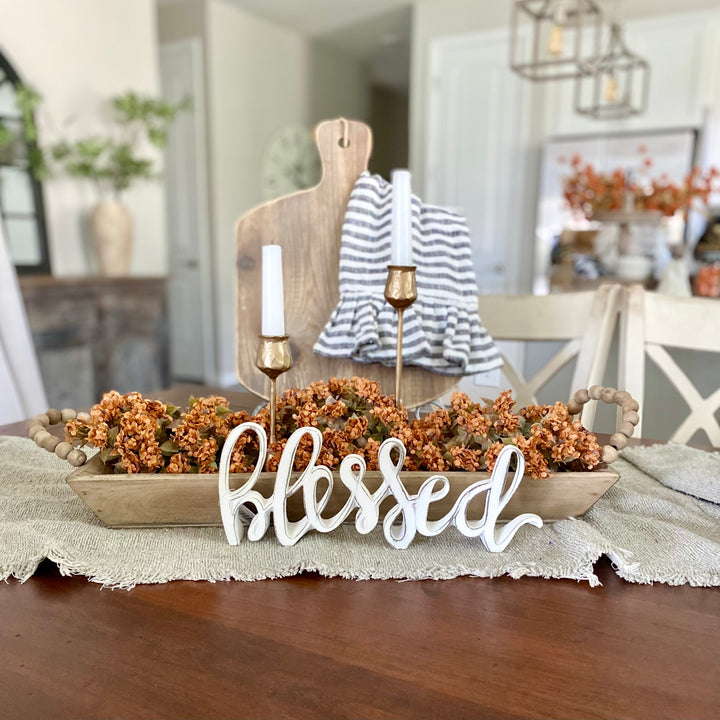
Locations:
(398, 357)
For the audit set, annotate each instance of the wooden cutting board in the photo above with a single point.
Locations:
(308, 226)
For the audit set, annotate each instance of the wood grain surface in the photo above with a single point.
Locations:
(311, 647)
(308, 226)
(163, 500)
(94, 334)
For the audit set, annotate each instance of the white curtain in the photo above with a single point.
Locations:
(22, 393)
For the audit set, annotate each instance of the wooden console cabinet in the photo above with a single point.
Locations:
(94, 334)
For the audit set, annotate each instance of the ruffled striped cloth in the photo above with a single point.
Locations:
(442, 329)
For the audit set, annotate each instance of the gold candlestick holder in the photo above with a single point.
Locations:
(273, 359)
(400, 292)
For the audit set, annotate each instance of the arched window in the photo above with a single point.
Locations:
(21, 202)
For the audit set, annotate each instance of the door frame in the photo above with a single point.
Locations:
(194, 48)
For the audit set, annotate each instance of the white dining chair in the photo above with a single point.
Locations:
(584, 321)
(650, 323)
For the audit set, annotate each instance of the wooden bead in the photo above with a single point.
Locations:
(83, 416)
(35, 429)
(618, 440)
(626, 429)
(40, 437)
(50, 443)
(621, 396)
(53, 416)
(595, 392)
(62, 449)
(76, 457)
(574, 407)
(608, 395)
(67, 414)
(581, 396)
(631, 417)
(630, 405)
(610, 454)
(42, 419)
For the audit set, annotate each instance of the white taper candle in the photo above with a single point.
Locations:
(401, 226)
(273, 308)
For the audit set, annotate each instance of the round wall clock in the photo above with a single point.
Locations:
(290, 162)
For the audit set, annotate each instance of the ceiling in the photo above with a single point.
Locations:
(378, 31)
(375, 31)
(319, 18)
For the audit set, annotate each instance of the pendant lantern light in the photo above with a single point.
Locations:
(618, 85)
(554, 39)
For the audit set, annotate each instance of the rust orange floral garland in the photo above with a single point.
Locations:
(135, 434)
(590, 192)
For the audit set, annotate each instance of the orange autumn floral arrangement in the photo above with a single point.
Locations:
(590, 192)
(135, 434)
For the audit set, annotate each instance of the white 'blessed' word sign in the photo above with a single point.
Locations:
(408, 517)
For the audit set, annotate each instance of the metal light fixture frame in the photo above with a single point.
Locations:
(581, 16)
(616, 61)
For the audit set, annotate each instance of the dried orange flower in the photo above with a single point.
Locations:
(491, 455)
(135, 434)
(466, 459)
(590, 192)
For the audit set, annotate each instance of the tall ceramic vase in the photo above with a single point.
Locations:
(111, 229)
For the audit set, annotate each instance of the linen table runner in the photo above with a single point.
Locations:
(652, 533)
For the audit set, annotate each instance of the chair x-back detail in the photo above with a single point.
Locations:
(652, 322)
(586, 320)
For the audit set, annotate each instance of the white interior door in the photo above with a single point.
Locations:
(192, 335)
(476, 162)
(477, 144)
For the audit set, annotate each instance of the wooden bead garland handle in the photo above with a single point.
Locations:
(37, 431)
(611, 396)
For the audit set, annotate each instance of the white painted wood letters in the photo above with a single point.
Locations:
(247, 506)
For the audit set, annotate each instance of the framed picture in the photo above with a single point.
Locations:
(649, 154)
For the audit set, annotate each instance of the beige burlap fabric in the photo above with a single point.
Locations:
(652, 533)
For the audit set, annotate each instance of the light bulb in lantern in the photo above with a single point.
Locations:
(555, 41)
(611, 88)
(556, 38)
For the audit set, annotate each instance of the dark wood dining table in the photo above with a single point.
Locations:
(316, 647)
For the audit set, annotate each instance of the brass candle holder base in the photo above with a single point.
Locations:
(273, 359)
(400, 292)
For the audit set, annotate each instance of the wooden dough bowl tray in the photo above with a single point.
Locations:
(170, 500)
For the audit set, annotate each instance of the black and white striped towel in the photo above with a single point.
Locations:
(442, 329)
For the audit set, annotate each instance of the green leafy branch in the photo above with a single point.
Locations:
(102, 160)
(11, 139)
(113, 160)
